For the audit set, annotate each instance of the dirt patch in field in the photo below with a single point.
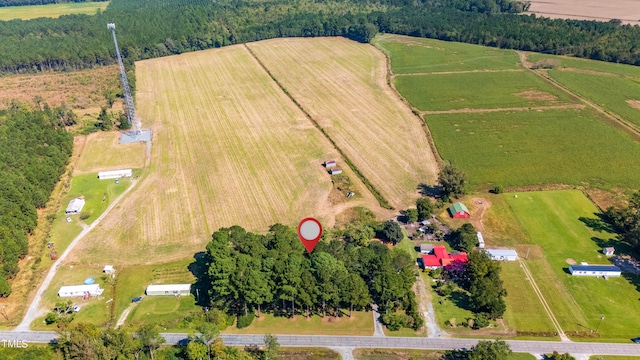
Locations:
(607, 198)
(481, 205)
(535, 95)
(570, 261)
(78, 89)
(634, 104)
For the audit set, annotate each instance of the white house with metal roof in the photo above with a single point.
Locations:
(80, 290)
(595, 270)
(169, 290)
(503, 254)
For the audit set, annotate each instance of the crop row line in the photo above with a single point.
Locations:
(381, 200)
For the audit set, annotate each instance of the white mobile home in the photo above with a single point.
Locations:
(80, 291)
(115, 174)
(595, 270)
(75, 206)
(169, 290)
(480, 240)
(502, 254)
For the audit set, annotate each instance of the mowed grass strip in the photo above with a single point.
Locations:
(411, 55)
(552, 220)
(103, 152)
(51, 10)
(586, 64)
(228, 148)
(478, 91)
(342, 85)
(537, 147)
(360, 324)
(617, 94)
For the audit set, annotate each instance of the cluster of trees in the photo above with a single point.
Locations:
(452, 181)
(41, 2)
(250, 273)
(158, 28)
(625, 221)
(34, 150)
(464, 238)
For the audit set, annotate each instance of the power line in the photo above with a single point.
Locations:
(130, 110)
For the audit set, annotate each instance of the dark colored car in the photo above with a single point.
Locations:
(636, 340)
(137, 299)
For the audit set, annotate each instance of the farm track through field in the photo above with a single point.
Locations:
(610, 117)
(534, 108)
(456, 72)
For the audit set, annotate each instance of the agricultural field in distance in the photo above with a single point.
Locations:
(229, 147)
(520, 148)
(573, 63)
(620, 95)
(482, 90)
(558, 227)
(50, 10)
(342, 85)
(429, 55)
(102, 152)
(625, 10)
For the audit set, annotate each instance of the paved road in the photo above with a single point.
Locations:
(34, 309)
(535, 347)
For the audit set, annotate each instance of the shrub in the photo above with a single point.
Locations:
(245, 320)
(498, 189)
(481, 321)
(84, 215)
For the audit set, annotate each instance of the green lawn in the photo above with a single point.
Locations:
(552, 221)
(612, 357)
(445, 308)
(403, 354)
(537, 147)
(166, 311)
(609, 92)
(524, 310)
(417, 55)
(478, 91)
(361, 324)
(586, 64)
(51, 10)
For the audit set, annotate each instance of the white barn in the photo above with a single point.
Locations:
(595, 270)
(75, 206)
(115, 174)
(169, 290)
(502, 254)
(80, 290)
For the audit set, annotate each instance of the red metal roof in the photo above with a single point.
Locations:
(441, 257)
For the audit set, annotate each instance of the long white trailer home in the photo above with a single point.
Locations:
(115, 174)
(80, 290)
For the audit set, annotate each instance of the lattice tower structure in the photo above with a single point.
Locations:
(130, 110)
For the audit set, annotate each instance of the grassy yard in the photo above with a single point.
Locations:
(586, 64)
(612, 357)
(404, 354)
(166, 311)
(555, 222)
(609, 92)
(51, 10)
(103, 152)
(446, 309)
(537, 147)
(478, 91)
(307, 353)
(361, 324)
(416, 55)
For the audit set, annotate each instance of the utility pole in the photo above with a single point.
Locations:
(601, 318)
(129, 108)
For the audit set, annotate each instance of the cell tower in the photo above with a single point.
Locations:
(130, 110)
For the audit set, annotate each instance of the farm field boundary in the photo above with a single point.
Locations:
(50, 10)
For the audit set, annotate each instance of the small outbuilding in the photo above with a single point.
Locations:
(80, 291)
(595, 270)
(169, 290)
(480, 240)
(426, 248)
(115, 174)
(75, 206)
(335, 171)
(109, 269)
(608, 251)
(459, 211)
(330, 163)
(502, 254)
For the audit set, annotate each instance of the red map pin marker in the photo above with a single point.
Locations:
(309, 232)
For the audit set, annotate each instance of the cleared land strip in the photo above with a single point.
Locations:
(462, 111)
(342, 86)
(457, 72)
(546, 306)
(612, 118)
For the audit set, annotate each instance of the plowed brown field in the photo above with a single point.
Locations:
(229, 147)
(626, 10)
(342, 85)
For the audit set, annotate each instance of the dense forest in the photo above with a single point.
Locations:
(34, 149)
(42, 2)
(250, 274)
(82, 41)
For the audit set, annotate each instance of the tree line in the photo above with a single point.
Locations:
(251, 274)
(34, 150)
(148, 29)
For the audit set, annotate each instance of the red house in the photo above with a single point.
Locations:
(458, 211)
(441, 258)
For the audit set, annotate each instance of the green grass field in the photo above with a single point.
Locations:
(361, 324)
(52, 10)
(552, 220)
(612, 357)
(478, 91)
(416, 55)
(609, 92)
(586, 64)
(537, 147)
(403, 354)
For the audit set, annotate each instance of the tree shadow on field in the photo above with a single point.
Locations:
(428, 190)
(599, 223)
(460, 299)
(199, 269)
